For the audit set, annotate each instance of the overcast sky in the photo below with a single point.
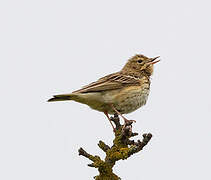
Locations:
(49, 47)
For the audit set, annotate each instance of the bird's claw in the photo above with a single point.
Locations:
(127, 123)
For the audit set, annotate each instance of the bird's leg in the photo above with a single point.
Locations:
(106, 113)
(125, 119)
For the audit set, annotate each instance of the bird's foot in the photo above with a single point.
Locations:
(127, 123)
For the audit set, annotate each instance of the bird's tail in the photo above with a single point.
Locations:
(61, 97)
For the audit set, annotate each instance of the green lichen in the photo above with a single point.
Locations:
(121, 149)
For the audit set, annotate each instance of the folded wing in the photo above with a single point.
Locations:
(110, 82)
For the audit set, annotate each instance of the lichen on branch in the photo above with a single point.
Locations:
(121, 149)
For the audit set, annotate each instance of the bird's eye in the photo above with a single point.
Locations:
(139, 61)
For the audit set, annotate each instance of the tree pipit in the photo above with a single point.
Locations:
(118, 93)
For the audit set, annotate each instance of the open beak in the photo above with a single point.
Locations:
(153, 60)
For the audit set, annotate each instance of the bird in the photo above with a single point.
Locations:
(118, 93)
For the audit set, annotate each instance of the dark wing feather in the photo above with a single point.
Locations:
(109, 82)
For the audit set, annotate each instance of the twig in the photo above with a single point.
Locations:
(122, 148)
(103, 146)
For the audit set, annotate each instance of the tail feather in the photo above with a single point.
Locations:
(61, 97)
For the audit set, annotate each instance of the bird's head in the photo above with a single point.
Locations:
(139, 65)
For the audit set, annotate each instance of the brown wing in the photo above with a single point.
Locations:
(109, 82)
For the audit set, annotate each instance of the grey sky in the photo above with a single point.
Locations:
(50, 47)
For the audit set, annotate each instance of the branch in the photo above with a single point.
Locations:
(138, 146)
(97, 162)
(103, 146)
(122, 148)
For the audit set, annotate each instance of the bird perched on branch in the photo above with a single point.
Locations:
(118, 93)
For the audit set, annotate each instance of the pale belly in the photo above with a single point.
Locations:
(130, 101)
(125, 101)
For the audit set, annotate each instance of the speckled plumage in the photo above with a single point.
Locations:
(122, 92)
